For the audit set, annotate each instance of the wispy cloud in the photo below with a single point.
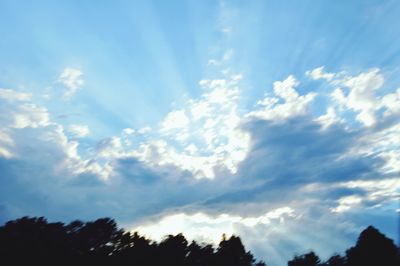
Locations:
(72, 79)
(79, 131)
(12, 95)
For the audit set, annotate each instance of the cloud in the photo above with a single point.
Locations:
(318, 73)
(109, 147)
(361, 96)
(346, 203)
(35, 148)
(391, 102)
(12, 95)
(79, 131)
(329, 118)
(210, 122)
(359, 93)
(272, 170)
(293, 104)
(72, 79)
(128, 131)
(175, 120)
(376, 193)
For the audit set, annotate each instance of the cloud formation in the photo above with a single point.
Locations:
(72, 79)
(286, 103)
(270, 170)
(79, 131)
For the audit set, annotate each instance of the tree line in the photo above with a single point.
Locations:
(34, 241)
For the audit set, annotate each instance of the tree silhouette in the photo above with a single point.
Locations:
(173, 250)
(200, 255)
(309, 259)
(232, 252)
(335, 260)
(34, 241)
(372, 249)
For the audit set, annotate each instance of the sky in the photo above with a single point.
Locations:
(278, 121)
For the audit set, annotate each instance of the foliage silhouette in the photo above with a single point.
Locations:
(335, 260)
(372, 249)
(34, 241)
(309, 259)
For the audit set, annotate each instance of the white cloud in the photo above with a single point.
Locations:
(391, 102)
(128, 131)
(382, 189)
(30, 115)
(79, 131)
(28, 135)
(12, 95)
(293, 103)
(361, 96)
(6, 142)
(358, 93)
(329, 118)
(318, 73)
(175, 120)
(347, 203)
(200, 110)
(385, 144)
(72, 79)
(213, 123)
(110, 147)
(5, 153)
(377, 193)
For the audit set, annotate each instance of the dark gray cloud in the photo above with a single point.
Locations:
(284, 158)
(287, 155)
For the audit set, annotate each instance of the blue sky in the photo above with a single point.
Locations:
(258, 118)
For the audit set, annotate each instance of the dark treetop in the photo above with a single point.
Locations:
(34, 241)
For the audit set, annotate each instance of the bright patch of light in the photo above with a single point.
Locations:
(201, 226)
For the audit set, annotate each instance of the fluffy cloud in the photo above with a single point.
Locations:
(175, 120)
(391, 102)
(329, 118)
(293, 104)
(205, 135)
(37, 159)
(360, 93)
(72, 79)
(361, 96)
